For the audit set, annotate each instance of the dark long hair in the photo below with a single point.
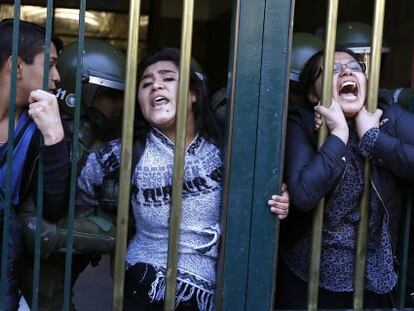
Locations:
(205, 122)
(312, 70)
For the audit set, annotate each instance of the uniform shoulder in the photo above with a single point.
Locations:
(109, 156)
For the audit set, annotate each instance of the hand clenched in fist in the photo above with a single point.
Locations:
(44, 111)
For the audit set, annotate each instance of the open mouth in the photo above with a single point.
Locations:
(348, 90)
(159, 101)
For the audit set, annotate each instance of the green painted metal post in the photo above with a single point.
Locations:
(269, 153)
(40, 180)
(75, 155)
(258, 95)
(243, 144)
(10, 146)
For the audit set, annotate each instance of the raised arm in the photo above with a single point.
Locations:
(55, 152)
(310, 173)
(393, 142)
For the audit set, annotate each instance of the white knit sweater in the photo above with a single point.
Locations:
(151, 201)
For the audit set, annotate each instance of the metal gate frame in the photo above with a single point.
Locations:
(258, 80)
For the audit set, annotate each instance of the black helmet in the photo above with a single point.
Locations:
(356, 36)
(103, 66)
(304, 45)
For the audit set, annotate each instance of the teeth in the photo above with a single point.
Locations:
(348, 83)
(159, 101)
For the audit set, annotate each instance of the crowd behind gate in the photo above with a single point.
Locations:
(334, 171)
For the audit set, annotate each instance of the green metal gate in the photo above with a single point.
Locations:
(257, 91)
(258, 105)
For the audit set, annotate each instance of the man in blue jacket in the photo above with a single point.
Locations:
(36, 115)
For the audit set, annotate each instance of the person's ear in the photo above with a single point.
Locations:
(20, 65)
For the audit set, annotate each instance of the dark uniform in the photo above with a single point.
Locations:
(93, 232)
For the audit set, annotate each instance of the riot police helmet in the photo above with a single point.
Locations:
(304, 45)
(356, 36)
(103, 66)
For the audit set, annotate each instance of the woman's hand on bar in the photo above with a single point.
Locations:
(44, 111)
(334, 119)
(279, 204)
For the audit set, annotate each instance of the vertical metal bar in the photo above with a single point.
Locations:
(374, 70)
(373, 83)
(360, 259)
(231, 90)
(367, 60)
(240, 163)
(75, 156)
(10, 147)
(405, 245)
(40, 171)
(328, 59)
(180, 140)
(126, 151)
(270, 138)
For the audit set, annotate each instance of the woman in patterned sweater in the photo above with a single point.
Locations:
(158, 78)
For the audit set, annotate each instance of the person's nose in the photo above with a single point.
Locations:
(345, 71)
(157, 85)
(54, 75)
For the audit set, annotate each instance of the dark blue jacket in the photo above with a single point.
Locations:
(56, 159)
(311, 174)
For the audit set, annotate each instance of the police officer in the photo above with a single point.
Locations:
(103, 86)
(356, 36)
(304, 45)
(102, 91)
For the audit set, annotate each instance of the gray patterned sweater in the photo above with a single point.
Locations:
(151, 200)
